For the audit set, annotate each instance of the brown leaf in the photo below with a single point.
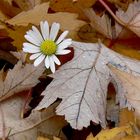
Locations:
(71, 6)
(131, 84)
(131, 18)
(26, 4)
(38, 123)
(100, 24)
(70, 22)
(19, 78)
(33, 16)
(8, 9)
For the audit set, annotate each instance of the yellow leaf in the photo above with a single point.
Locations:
(109, 134)
(17, 34)
(126, 117)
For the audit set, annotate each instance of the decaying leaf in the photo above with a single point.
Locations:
(82, 84)
(101, 24)
(131, 17)
(15, 127)
(19, 78)
(131, 83)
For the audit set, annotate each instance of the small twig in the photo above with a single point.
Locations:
(112, 14)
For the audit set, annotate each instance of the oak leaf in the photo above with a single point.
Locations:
(82, 84)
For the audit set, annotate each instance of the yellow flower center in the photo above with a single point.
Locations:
(48, 47)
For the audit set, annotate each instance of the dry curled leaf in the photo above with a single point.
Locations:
(82, 84)
(19, 78)
(17, 128)
(131, 83)
(131, 18)
(101, 24)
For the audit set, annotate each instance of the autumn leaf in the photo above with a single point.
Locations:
(126, 116)
(131, 83)
(18, 79)
(101, 24)
(76, 6)
(24, 18)
(131, 18)
(19, 31)
(70, 22)
(8, 9)
(82, 84)
(117, 133)
(31, 127)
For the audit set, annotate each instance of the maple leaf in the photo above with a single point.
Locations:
(131, 18)
(82, 84)
(69, 22)
(19, 78)
(131, 83)
(101, 24)
(18, 128)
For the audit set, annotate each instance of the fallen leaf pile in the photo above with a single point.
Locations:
(97, 84)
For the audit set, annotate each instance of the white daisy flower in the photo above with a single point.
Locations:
(44, 46)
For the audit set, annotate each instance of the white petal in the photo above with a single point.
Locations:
(47, 62)
(44, 29)
(37, 33)
(56, 60)
(62, 36)
(52, 65)
(34, 56)
(61, 52)
(29, 45)
(54, 31)
(34, 36)
(64, 44)
(32, 40)
(31, 49)
(39, 60)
